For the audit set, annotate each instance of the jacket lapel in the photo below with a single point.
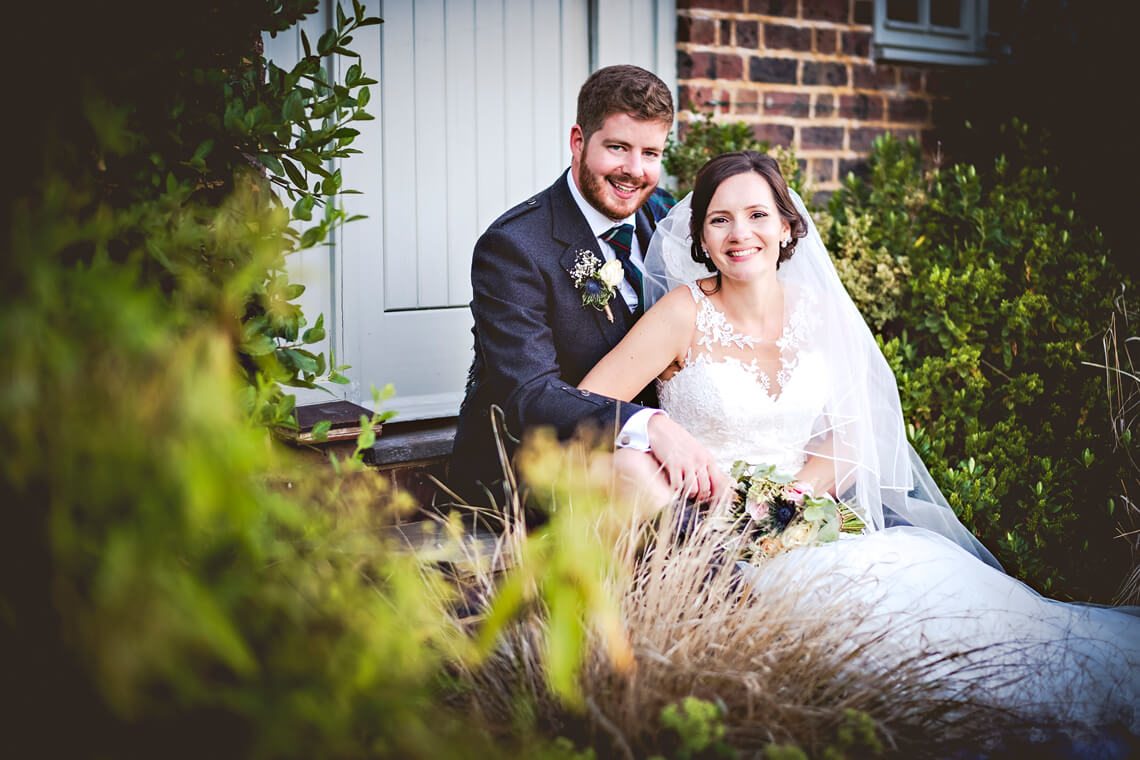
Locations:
(571, 230)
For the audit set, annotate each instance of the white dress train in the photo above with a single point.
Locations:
(1064, 664)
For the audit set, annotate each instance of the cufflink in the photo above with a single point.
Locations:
(624, 440)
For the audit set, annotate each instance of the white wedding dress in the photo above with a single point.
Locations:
(1058, 664)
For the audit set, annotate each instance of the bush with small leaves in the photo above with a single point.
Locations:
(988, 293)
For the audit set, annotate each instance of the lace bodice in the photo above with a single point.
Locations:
(742, 406)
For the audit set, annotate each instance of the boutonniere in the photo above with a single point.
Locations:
(596, 281)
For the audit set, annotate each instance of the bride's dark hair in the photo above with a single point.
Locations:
(727, 165)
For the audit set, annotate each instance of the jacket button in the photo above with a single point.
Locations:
(585, 393)
(532, 201)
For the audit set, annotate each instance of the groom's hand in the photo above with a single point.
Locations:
(687, 465)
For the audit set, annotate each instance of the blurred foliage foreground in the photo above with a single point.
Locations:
(171, 584)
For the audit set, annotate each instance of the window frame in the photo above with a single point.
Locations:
(924, 42)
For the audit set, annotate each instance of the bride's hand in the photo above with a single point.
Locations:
(686, 464)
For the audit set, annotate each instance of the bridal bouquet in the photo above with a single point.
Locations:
(778, 515)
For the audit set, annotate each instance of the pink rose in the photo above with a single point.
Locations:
(758, 511)
(793, 495)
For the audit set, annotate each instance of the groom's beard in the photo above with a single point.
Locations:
(597, 191)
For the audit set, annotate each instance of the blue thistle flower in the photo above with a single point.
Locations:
(783, 512)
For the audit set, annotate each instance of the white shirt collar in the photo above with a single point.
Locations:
(599, 222)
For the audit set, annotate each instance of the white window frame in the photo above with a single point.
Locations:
(924, 42)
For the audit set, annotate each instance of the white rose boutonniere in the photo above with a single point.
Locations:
(596, 281)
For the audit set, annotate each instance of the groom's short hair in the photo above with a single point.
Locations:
(622, 89)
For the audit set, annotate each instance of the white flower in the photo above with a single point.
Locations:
(800, 534)
(585, 266)
(612, 273)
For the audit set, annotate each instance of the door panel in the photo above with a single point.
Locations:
(473, 114)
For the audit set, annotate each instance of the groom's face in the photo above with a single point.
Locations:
(617, 169)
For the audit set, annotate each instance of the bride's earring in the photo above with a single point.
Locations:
(786, 242)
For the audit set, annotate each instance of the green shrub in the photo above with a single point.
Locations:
(171, 586)
(989, 293)
(158, 132)
(703, 138)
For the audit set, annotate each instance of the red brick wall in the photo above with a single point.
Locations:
(800, 72)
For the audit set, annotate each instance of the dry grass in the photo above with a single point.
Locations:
(1122, 387)
(784, 656)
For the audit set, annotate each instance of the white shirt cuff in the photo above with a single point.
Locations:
(635, 432)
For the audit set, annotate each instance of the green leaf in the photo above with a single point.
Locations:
(339, 379)
(313, 235)
(285, 407)
(380, 395)
(310, 161)
(295, 175)
(305, 44)
(363, 97)
(302, 360)
(332, 184)
(341, 19)
(321, 431)
(327, 42)
(271, 163)
(352, 76)
(303, 209)
(259, 345)
(367, 436)
(323, 109)
(313, 335)
(203, 151)
(293, 109)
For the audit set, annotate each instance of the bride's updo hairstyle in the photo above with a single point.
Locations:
(726, 165)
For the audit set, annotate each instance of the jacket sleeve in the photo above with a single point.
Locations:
(513, 328)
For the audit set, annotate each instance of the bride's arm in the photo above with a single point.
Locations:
(660, 338)
(825, 470)
(818, 471)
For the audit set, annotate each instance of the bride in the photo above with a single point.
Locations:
(763, 357)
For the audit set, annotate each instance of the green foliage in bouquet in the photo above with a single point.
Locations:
(988, 293)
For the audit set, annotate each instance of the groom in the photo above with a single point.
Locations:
(536, 335)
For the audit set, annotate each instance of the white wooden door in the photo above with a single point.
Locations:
(473, 114)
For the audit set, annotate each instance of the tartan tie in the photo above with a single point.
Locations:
(620, 237)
